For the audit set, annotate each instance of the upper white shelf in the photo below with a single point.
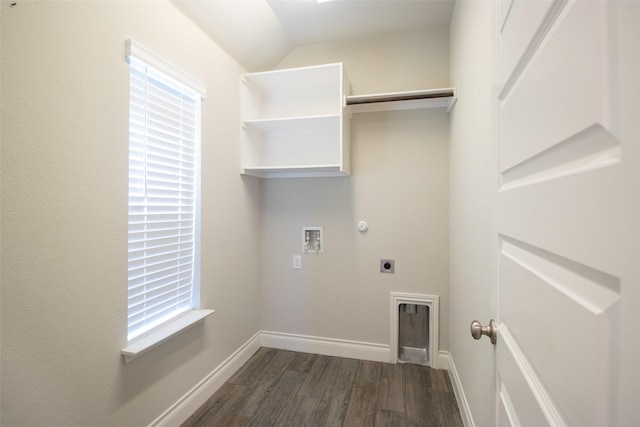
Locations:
(408, 100)
(292, 78)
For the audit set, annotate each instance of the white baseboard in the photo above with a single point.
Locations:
(326, 346)
(446, 362)
(443, 360)
(198, 395)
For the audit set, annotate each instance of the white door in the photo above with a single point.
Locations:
(567, 212)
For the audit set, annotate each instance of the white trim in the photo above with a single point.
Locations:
(432, 301)
(507, 407)
(188, 404)
(443, 360)
(149, 57)
(162, 334)
(538, 389)
(446, 360)
(326, 346)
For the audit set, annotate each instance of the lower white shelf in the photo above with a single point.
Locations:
(292, 124)
(294, 171)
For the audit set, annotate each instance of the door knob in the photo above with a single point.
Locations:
(477, 330)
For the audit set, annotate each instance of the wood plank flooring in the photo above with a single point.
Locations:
(284, 388)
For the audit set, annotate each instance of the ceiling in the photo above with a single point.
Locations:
(259, 33)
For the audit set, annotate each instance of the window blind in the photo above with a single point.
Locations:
(164, 138)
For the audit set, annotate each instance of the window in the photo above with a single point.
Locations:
(164, 162)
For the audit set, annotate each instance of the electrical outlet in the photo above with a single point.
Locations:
(387, 266)
(297, 262)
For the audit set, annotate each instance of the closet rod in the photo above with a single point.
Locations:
(399, 96)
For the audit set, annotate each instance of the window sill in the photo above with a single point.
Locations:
(161, 335)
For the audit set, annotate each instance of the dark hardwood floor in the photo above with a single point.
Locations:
(284, 388)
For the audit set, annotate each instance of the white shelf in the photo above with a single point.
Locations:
(302, 171)
(408, 100)
(292, 79)
(294, 122)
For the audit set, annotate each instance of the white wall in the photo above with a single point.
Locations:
(399, 184)
(64, 215)
(385, 63)
(472, 186)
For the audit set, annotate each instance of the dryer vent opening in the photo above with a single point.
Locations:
(413, 334)
(414, 329)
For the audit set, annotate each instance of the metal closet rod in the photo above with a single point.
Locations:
(399, 96)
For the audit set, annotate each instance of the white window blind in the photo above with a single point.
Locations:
(164, 145)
